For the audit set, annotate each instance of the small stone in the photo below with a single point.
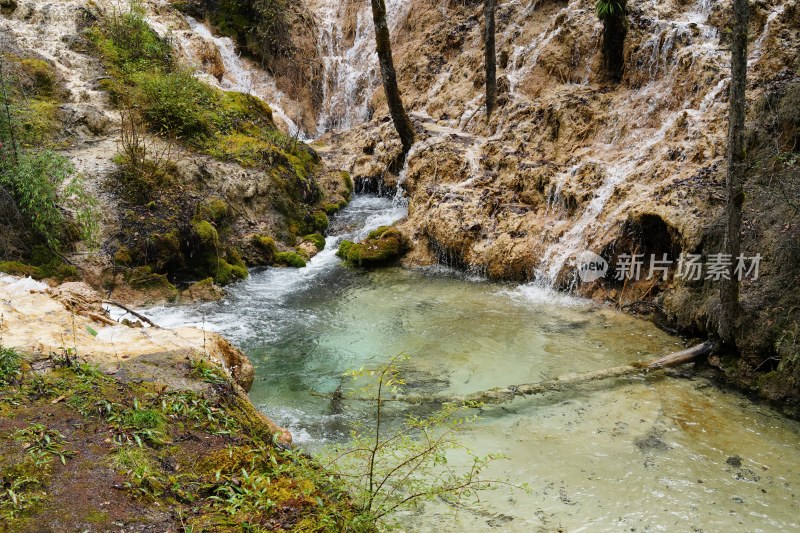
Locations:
(735, 461)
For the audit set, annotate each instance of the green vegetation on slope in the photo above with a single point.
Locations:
(167, 226)
(81, 450)
(42, 202)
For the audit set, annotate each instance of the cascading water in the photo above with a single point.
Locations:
(351, 72)
(698, 42)
(238, 74)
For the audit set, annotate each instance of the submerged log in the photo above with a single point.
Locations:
(568, 381)
(507, 394)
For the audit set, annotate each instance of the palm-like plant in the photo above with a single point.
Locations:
(606, 9)
(613, 13)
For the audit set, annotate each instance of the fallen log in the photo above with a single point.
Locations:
(132, 312)
(507, 394)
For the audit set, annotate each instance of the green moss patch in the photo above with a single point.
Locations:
(35, 92)
(382, 247)
(317, 239)
(290, 259)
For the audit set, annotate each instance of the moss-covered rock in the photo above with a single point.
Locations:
(144, 279)
(206, 232)
(214, 210)
(226, 270)
(264, 250)
(16, 268)
(317, 240)
(290, 259)
(382, 247)
(320, 221)
(348, 182)
(202, 291)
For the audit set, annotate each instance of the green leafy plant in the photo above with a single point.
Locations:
(390, 467)
(37, 183)
(207, 372)
(609, 8)
(9, 365)
(43, 444)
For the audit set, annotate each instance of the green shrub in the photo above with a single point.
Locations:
(143, 181)
(290, 259)
(175, 103)
(36, 183)
(10, 365)
(128, 44)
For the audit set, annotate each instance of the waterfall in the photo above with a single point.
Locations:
(674, 42)
(238, 74)
(351, 72)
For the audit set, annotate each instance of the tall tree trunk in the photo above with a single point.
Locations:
(729, 294)
(383, 41)
(490, 56)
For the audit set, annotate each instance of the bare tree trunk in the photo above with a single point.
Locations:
(490, 56)
(729, 294)
(383, 42)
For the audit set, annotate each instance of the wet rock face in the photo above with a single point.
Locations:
(569, 162)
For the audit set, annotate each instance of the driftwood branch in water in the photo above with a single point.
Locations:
(134, 313)
(507, 394)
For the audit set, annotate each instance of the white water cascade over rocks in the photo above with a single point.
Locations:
(351, 63)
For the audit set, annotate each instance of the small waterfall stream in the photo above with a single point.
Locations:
(351, 69)
(238, 73)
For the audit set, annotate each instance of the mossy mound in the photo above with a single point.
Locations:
(382, 247)
(263, 249)
(317, 240)
(290, 259)
(43, 265)
(143, 278)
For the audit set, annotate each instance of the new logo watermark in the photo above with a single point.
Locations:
(591, 266)
(690, 267)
